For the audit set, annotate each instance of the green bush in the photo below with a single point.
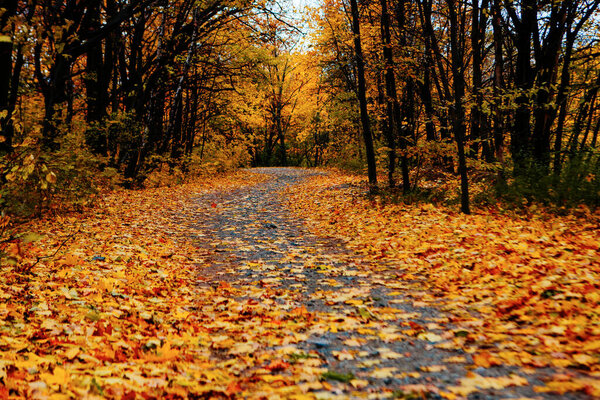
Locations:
(577, 183)
(35, 180)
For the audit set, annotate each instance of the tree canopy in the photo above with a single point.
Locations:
(139, 92)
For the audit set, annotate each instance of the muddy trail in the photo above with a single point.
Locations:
(369, 338)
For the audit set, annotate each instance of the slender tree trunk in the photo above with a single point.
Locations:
(562, 101)
(458, 122)
(476, 89)
(585, 109)
(588, 126)
(193, 118)
(547, 65)
(498, 84)
(595, 135)
(392, 131)
(402, 132)
(55, 93)
(362, 97)
(524, 77)
(280, 134)
(174, 134)
(479, 133)
(95, 84)
(425, 92)
(6, 74)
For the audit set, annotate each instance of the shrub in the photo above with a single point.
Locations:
(577, 183)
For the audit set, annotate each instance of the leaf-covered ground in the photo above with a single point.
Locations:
(285, 283)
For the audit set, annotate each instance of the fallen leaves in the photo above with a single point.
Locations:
(121, 311)
(473, 382)
(523, 291)
(114, 313)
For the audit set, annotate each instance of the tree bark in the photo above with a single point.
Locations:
(7, 88)
(458, 122)
(391, 100)
(498, 83)
(362, 97)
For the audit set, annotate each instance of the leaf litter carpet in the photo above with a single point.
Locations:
(266, 284)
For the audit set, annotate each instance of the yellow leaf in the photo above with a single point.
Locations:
(485, 360)
(359, 383)
(455, 359)
(342, 355)
(71, 353)
(243, 348)
(382, 373)
(433, 368)
(430, 336)
(474, 382)
(388, 354)
(51, 177)
(585, 359)
(353, 342)
(58, 377)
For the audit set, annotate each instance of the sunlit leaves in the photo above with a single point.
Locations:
(521, 291)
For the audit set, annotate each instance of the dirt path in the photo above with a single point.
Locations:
(369, 337)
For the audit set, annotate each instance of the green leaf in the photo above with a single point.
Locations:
(337, 376)
(29, 237)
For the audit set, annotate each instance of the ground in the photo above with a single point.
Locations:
(292, 283)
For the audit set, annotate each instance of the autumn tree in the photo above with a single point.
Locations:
(9, 72)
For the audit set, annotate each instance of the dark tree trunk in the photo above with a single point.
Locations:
(96, 83)
(457, 111)
(282, 152)
(401, 131)
(192, 118)
(438, 70)
(478, 27)
(547, 65)
(426, 98)
(391, 100)
(55, 93)
(562, 101)
(362, 97)
(585, 112)
(7, 86)
(565, 82)
(524, 79)
(498, 83)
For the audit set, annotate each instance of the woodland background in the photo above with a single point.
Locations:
(499, 95)
(274, 283)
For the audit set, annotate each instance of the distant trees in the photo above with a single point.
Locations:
(455, 86)
(136, 73)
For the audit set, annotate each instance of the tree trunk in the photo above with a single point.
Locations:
(95, 82)
(174, 129)
(458, 122)
(392, 131)
(562, 101)
(362, 98)
(426, 99)
(479, 135)
(498, 84)
(6, 75)
(547, 65)
(524, 79)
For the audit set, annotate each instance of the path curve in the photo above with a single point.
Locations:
(252, 241)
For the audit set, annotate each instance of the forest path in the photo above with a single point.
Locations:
(358, 326)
